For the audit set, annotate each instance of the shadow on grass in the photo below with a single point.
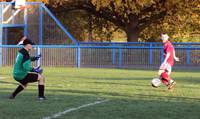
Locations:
(90, 82)
(137, 106)
(188, 80)
(26, 105)
(110, 94)
(137, 96)
(185, 70)
(122, 83)
(107, 78)
(155, 69)
(6, 82)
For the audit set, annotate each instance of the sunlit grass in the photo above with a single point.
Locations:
(129, 92)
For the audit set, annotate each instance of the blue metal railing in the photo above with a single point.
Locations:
(35, 22)
(87, 54)
(105, 56)
(182, 44)
(30, 23)
(59, 24)
(1, 33)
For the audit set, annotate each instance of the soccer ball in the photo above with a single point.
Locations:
(156, 82)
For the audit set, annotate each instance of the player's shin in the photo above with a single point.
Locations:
(17, 91)
(165, 78)
(40, 90)
(165, 82)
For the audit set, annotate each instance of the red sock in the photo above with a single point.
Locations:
(165, 78)
(164, 81)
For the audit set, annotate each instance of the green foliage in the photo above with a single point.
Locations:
(75, 22)
(179, 18)
(183, 25)
(45, 1)
(82, 25)
(105, 18)
(181, 21)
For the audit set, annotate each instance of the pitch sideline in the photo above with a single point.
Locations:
(56, 115)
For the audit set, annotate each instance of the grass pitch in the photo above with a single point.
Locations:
(128, 91)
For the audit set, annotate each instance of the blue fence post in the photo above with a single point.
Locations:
(188, 55)
(6, 43)
(78, 56)
(38, 52)
(25, 22)
(150, 53)
(40, 33)
(162, 55)
(41, 26)
(113, 54)
(120, 57)
(1, 32)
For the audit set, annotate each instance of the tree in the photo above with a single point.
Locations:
(131, 16)
(182, 25)
(137, 18)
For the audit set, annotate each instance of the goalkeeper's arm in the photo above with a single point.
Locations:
(35, 58)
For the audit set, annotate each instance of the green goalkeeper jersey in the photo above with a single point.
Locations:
(22, 65)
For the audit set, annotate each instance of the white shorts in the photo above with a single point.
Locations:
(167, 67)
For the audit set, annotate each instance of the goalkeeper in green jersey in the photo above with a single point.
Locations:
(24, 73)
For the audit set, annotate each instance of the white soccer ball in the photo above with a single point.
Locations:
(155, 82)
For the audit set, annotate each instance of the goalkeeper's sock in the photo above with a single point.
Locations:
(17, 90)
(41, 90)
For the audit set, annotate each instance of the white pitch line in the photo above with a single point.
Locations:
(74, 109)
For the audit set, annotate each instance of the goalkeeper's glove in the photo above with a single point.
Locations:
(37, 70)
(37, 57)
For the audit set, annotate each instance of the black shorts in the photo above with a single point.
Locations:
(30, 78)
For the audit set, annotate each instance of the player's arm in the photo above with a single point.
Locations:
(27, 65)
(22, 40)
(167, 57)
(35, 58)
(174, 55)
(24, 61)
